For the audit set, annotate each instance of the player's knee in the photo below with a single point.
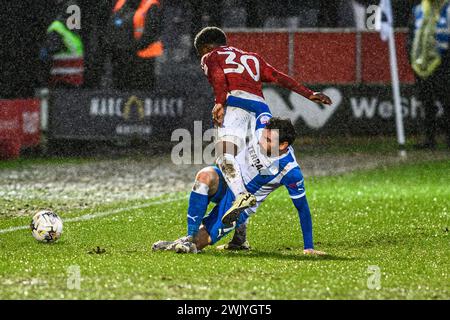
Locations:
(206, 176)
(203, 177)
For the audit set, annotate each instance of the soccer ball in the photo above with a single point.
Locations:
(46, 226)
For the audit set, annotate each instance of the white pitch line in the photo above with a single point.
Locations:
(8, 230)
(91, 216)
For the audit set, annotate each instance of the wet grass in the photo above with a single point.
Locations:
(35, 159)
(371, 145)
(395, 220)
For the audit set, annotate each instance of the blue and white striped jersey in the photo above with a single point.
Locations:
(263, 175)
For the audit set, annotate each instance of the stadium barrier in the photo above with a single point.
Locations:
(153, 116)
(352, 67)
(116, 115)
(327, 56)
(356, 110)
(19, 126)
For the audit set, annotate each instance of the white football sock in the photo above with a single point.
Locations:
(231, 172)
(200, 188)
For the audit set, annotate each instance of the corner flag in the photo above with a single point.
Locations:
(385, 24)
(385, 19)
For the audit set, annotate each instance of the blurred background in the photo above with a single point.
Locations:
(125, 72)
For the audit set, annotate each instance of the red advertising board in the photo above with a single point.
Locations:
(19, 126)
(325, 57)
(9, 120)
(328, 56)
(375, 59)
(274, 46)
(30, 122)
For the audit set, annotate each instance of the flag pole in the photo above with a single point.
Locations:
(397, 97)
(385, 24)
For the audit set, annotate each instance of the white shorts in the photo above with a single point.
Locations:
(238, 124)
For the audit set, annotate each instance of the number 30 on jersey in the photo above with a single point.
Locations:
(242, 66)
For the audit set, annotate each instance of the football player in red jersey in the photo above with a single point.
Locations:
(237, 77)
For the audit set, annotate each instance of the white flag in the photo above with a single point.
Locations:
(384, 21)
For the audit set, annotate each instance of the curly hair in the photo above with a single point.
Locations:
(210, 35)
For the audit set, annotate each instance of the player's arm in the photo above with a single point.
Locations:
(304, 214)
(272, 75)
(216, 78)
(294, 182)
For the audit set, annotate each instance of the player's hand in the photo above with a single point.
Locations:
(218, 114)
(313, 252)
(319, 97)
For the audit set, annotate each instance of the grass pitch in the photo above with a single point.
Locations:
(393, 220)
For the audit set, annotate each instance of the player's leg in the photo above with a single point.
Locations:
(212, 229)
(239, 240)
(206, 185)
(207, 182)
(426, 93)
(230, 169)
(200, 241)
(226, 151)
(444, 97)
(203, 239)
(447, 117)
(231, 138)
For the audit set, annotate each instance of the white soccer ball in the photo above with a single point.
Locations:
(46, 226)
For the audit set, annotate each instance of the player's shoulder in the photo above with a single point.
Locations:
(207, 58)
(222, 50)
(254, 54)
(241, 51)
(292, 168)
(290, 156)
(212, 55)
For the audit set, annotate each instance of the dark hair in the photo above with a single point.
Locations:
(210, 35)
(285, 129)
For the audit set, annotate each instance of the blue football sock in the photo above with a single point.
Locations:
(198, 204)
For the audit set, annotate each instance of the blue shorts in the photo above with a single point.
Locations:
(213, 221)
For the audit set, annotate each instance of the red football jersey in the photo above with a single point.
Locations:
(229, 68)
